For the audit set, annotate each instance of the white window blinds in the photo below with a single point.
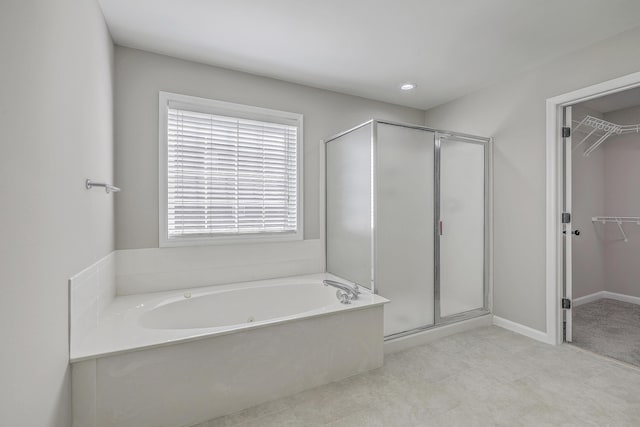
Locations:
(229, 175)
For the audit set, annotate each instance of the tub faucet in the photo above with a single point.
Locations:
(345, 293)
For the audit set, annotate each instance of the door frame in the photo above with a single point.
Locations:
(554, 192)
(567, 228)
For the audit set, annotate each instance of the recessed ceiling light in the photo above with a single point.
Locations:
(408, 86)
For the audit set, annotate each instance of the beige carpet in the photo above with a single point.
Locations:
(610, 328)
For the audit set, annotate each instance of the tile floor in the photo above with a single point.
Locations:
(610, 328)
(484, 377)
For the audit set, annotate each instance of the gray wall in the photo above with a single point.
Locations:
(141, 75)
(56, 120)
(513, 112)
(622, 198)
(588, 185)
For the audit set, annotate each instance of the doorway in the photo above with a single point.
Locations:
(602, 225)
(597, 219)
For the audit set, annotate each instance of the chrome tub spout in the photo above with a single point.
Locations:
(345, 292)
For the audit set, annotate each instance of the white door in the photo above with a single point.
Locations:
(568, 229)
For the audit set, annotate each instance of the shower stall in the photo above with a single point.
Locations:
(407, 216)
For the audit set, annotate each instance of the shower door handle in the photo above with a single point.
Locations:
(574, 232)
(440, 228)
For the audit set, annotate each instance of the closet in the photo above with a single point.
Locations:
(602, 244)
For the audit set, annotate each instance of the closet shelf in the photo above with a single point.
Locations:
(599, 130)
(619, 220)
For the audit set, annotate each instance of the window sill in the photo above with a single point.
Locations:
(230, 240)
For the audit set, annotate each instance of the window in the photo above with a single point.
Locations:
(228, 172)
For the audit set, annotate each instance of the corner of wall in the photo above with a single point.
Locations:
(90, 292)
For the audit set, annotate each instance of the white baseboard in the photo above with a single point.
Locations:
(588, 298)
(522, 330)
(605, 294)
(622, 297)
(428, 335)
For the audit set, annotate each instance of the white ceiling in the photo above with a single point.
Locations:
(369, 47)
(616, 101)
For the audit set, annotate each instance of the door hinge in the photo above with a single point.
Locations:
(566, 217)
(566, 303)
(566, 132)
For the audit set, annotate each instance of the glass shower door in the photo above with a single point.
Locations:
(404, 214)
(461, 234)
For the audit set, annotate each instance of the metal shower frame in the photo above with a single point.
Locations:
(439, 136)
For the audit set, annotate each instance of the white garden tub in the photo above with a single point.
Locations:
(182, 357)
(141, 321)
(257, 303)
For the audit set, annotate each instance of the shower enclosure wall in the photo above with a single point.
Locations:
(407, 216)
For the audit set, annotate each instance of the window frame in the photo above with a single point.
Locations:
(223, 108)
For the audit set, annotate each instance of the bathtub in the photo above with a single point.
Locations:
(182, 357)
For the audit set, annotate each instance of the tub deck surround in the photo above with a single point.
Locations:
(91, 291)
(136, 322)
(182, 357)
(141, 271)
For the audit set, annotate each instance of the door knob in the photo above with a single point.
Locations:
(574, 232)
